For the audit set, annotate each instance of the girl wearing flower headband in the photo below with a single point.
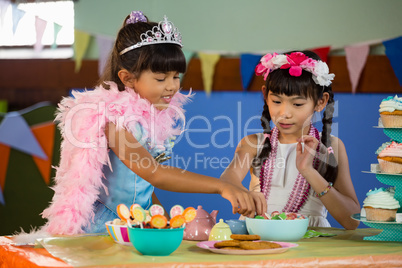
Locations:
(115, 136)
(297, 168)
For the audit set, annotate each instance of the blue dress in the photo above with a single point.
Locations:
(124, 186)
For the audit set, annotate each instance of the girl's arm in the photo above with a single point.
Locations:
(239, 167)
(341, 200)
(140, 161)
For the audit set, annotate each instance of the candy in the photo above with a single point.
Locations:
(177, 221)
(158, 221)
(123, 212)
(139, 214)
(189, 214)
(176, 210)
(156, 209)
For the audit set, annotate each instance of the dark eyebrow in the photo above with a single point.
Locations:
(295, 97)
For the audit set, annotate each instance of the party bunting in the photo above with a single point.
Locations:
(17, 16)
(248, 62)
(393, 50)
(15, 132)
(322, 52)
(56, 27)
(44, 133)
(40, 26)
(356, 57)
(5, 156)
(188, 55)
(105, 45)
(81, 44)
(208, 62)
(2, 201)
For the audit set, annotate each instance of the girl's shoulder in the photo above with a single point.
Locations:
(251, 143)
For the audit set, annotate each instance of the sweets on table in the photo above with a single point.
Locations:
(391, 112)
(136, 216)
(380, 205)
(276, 215)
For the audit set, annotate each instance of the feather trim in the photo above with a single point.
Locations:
(82, 119)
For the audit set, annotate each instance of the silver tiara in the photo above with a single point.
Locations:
(164, 33)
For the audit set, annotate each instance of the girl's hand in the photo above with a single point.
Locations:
(305, 156)
(243, 201)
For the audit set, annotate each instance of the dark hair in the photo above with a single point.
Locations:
(157, 58)
(281, 82)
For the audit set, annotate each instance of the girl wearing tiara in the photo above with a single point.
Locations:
(297, 168)
(115, 136)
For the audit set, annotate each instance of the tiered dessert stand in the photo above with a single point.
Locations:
(392, 231)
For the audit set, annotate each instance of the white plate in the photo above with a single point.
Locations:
(210, 246)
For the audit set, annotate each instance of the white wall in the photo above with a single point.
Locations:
(239, 26)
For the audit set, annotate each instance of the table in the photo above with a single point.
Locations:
(346, 249)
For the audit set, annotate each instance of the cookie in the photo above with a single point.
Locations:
(231, 248)
(244, 237)
(227, 243)
(251, 245)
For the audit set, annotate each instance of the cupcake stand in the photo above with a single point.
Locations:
(392, 231)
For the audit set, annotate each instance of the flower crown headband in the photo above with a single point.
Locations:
(296, 62)
(164, 33)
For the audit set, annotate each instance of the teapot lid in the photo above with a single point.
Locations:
(222, 224)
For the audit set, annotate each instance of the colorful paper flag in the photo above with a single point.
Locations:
(17, 16)
(44, 133)
(105, 45)
(322, 52)
(56, 29)
(356, 57)
(40, 26)
(208, 62)
(80, 47)
(248, 62)
(5, 156)
(393, 50)
(15, 132)
(188, 55)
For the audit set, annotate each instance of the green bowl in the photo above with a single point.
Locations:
(156, 242)
(277, 230)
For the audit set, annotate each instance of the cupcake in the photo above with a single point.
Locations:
(380, 205)
(390, 158)
(391, 112)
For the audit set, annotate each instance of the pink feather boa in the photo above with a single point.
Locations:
(84, 148)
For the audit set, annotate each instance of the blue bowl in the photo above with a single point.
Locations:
(278, 230)
(237, 226)
(156, 242)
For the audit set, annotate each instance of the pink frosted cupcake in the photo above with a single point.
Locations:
(380, 205)
(390, 158)
(391, 112)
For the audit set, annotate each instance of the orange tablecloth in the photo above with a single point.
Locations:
(346, 249)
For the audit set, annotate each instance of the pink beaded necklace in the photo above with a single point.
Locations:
(301, 188)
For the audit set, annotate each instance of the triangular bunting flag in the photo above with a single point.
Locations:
(105, 45)
(57, 28)
(356, 57)
(15, 132)
(208, 62)
(393, 50)
(322, 52)
(5, 156)
(17, 16)
(188, 55)
(2, 201)
(44, 133)
(40, 26)
(247, 67)
(80, 47)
